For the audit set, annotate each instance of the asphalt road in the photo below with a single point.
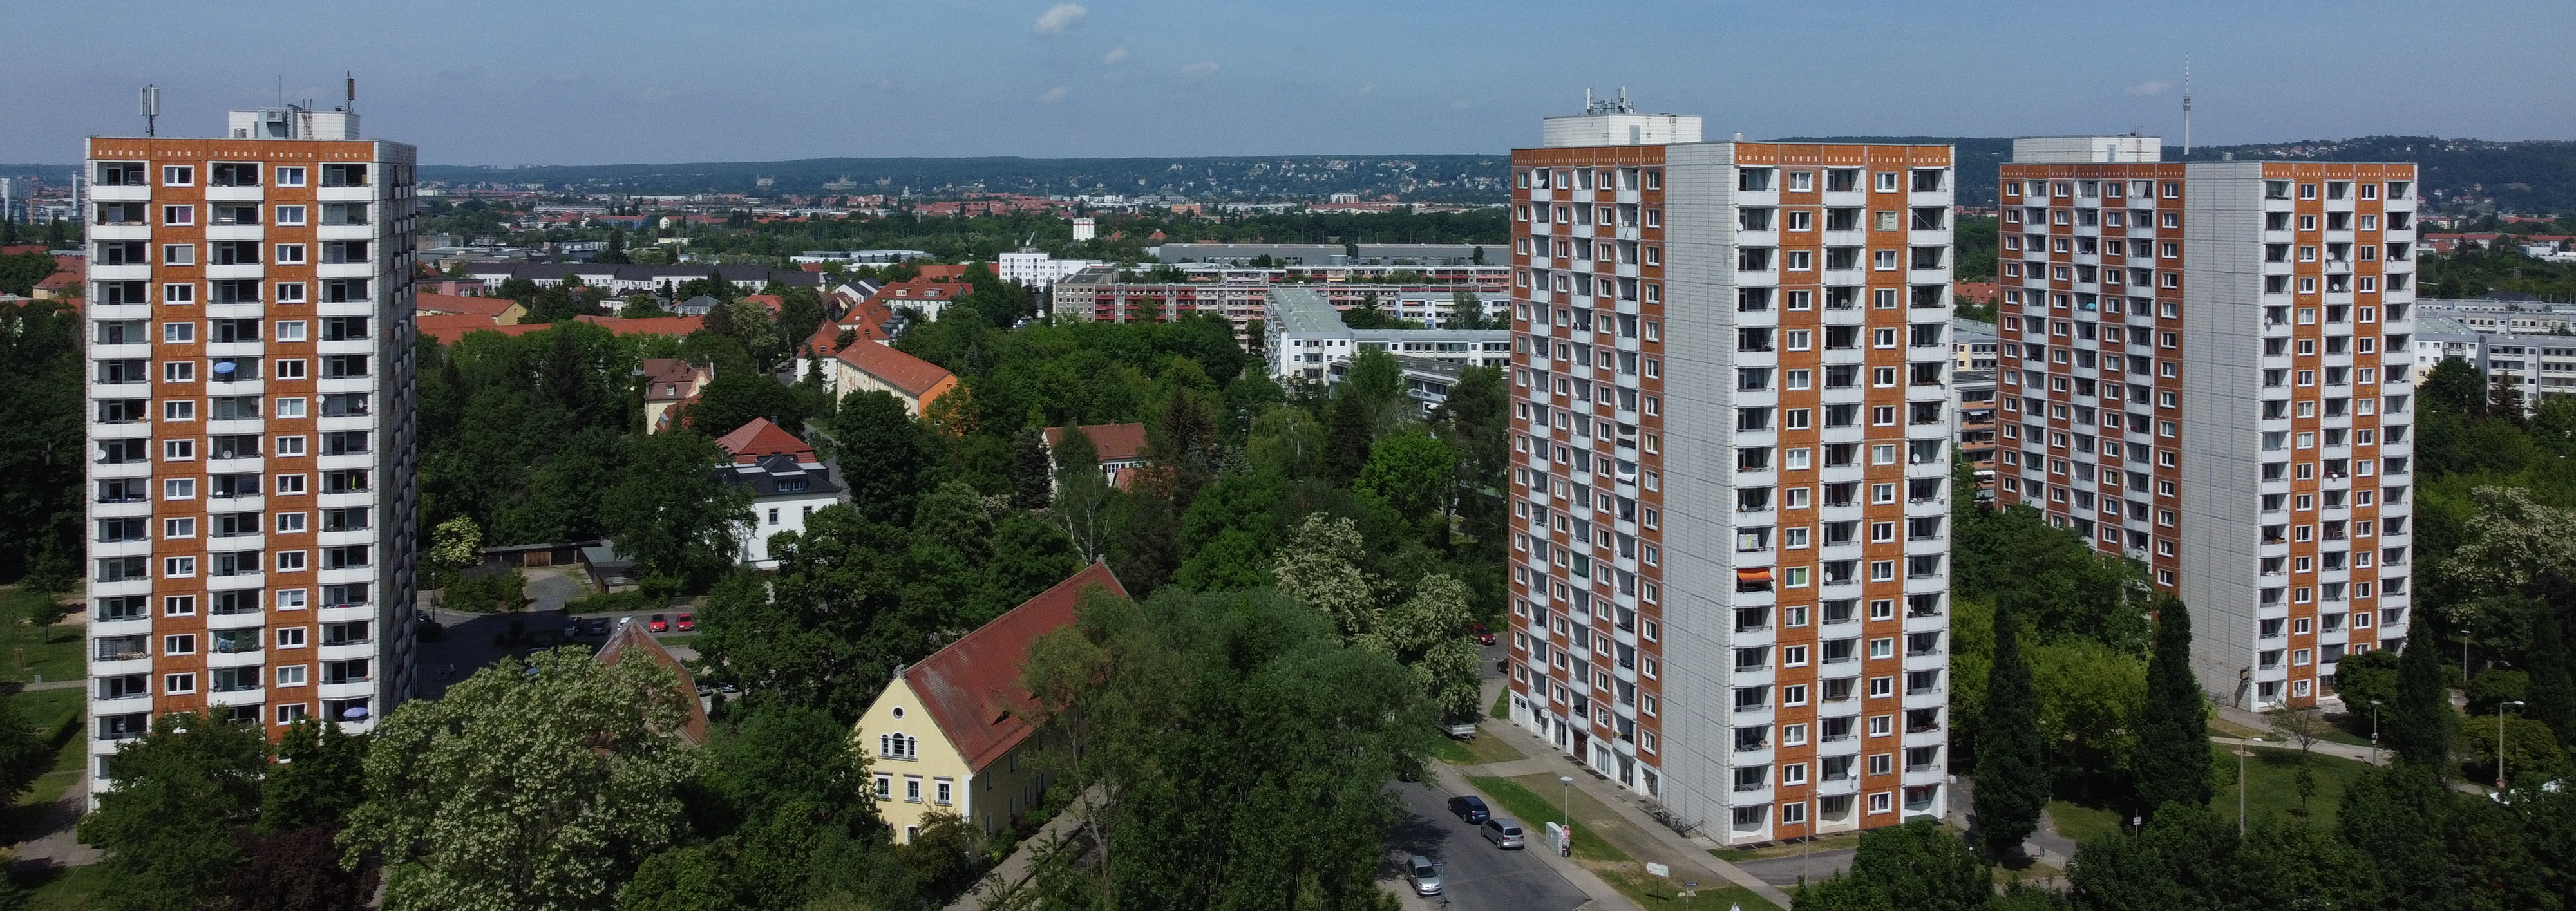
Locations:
(1475, 875)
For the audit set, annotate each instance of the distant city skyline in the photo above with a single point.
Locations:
(478, 82)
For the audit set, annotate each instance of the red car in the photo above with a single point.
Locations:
(1484, 635)
(657, 625)
(688, 622)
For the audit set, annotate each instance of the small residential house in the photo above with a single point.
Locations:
(929, 297)
(1121, 448)
(787, 484)
(875, 366)
(669, 384)
(699, 305)
(630, 639)
(948, 736)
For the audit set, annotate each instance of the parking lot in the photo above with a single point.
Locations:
(1474, 873)
(468, 641)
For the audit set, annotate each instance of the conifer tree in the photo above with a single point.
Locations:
(2420, 727)
(2553, 693)
(2173, 728)
(2012, 778)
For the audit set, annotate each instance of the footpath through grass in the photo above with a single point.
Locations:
(1606, 860)
(2271, 791)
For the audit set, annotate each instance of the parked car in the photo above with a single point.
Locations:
(1503, 832)
(596, 626)
(1469, 808)
(572, 628)
(1424, 875)
(728, 687)
(1484, 634)
(658, 624)
(688, 622)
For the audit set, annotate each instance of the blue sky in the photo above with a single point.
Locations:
(560, 82)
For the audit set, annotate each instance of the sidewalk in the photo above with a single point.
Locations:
(997, 887)
(1632, 830)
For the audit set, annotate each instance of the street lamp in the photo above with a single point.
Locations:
(1565, 785)
(2241, 753)
(2374, 732)
(2500, 742)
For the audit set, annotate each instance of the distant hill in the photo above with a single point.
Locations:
(1413, 177)
(2536, 176)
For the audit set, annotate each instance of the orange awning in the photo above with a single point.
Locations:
(1753, 575)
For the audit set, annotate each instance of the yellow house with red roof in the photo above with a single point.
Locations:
(947, 734)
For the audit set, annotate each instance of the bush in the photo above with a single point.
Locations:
(485, 593)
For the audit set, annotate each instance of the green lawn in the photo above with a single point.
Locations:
(2271, 792)
(74, 889)
(29, 653)
(1502, 710)
(1485, 748)
(57, 715)
(1604, 859)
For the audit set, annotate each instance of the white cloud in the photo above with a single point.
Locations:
(1199, 70)
(654, 95)
(1061, 16)
(1057, 93)
(1461, 104)
(1369, 89)
(1115, 55)
(2149, 87)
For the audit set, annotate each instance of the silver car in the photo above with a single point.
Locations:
(1424, 875)
(1503, 832)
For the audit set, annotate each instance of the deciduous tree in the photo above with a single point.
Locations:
(540, 785)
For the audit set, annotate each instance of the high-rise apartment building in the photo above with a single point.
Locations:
(251, 437)
(1730, 470)
(2205, 367)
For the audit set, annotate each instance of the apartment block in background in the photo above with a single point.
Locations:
(1731, 467)
(252, 442)
(2205, 366)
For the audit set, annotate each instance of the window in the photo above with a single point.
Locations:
(291, 674)
(290, 176)
(899, 746)
(178, 176)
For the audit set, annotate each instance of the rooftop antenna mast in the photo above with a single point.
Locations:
(151, 108)
(353, 91)
(2186, 106)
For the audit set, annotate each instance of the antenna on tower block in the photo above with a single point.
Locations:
(151, 107)
(2186, 107)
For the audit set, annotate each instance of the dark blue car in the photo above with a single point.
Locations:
(1469, 808)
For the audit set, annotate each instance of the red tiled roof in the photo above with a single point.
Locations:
(770, 301)
(937, 271)
(759, 439)
(490, 308)
(922, 289)
(630, 636)
(1114, 442)
(64, 279)
(867, 320)
(916, 377)
(15, 249)
(669, 379)
(972, 687)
